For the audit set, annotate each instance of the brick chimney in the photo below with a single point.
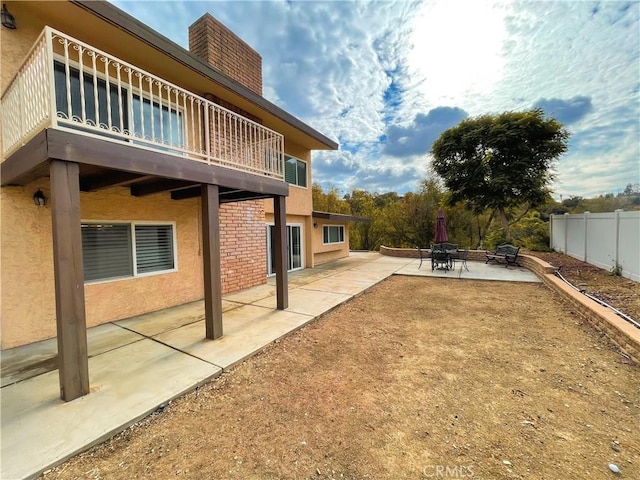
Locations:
(218, 46)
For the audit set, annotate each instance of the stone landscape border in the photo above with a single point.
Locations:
(624, 335)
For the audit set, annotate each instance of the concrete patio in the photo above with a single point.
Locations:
(140, 363)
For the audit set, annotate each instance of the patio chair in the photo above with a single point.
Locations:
(440, 259)
(422, 253)
(462, 257)
(449, 247)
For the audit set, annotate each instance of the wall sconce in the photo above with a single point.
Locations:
(39, 199)
(8, 20)
(315, 225)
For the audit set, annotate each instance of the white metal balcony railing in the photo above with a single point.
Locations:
(67, 84)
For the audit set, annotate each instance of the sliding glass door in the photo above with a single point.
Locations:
(294, 248)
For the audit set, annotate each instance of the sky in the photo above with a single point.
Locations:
(385, 78)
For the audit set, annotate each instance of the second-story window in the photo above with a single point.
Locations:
(151, 122)
(154, 119)
(82, 108)
(295, 171)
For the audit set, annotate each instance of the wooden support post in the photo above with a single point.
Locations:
(73, 362)
(211, 259)
(280, 217)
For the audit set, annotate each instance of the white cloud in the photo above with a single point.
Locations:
(457, 48)
(359, 71)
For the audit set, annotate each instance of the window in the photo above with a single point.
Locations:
(295, 171)
(99, 118)
(106, 251)
(154, 248)
(117, 250)
(332, 234)
(149, 121)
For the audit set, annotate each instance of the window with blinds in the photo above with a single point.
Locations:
(108, 250)
(154, 248)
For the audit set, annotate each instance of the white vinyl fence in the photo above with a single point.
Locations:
(601, 239)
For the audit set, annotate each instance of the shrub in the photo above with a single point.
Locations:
(531, 232)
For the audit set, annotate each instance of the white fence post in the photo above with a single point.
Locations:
(617, 250)
(584, 243)
(566, 232)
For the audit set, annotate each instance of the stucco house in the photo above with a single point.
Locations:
(137, 175)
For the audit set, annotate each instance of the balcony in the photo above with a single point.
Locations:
(67, 85)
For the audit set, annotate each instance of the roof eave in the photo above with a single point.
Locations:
(339, 217)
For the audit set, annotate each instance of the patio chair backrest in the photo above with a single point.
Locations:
(439, 255)
(445, 246)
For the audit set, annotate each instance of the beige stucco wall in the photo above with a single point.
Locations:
(325, 257)
(26, 268)
(15, 44)
(300, 199)
(326, 253)
(28, 302)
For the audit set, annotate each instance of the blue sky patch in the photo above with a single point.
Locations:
(566, 111)
(386, 78)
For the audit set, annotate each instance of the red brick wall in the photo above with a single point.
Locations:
(215, 44)
(242, 245)
(242, 224)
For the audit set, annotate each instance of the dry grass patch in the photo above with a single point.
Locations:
(491, 380)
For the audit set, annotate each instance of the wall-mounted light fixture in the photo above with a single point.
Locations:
(39, 199)
(315, 224)
(8, 20)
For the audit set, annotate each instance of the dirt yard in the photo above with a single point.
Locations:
(619, 292)
(417, 378)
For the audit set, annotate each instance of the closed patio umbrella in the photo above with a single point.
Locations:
(441, 227)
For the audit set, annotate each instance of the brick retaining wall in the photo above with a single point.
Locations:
(620, 332)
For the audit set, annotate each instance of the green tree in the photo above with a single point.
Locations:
(532, 233)
(364, 235)
(396, 221)
(500, 162)
(573, 202)
(384, 199)
(409, 220)
(631, 189)
(328, 202)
